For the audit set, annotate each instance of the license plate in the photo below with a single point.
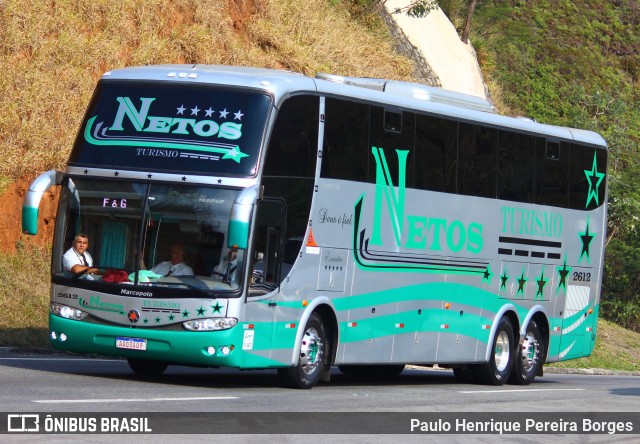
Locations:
(131, 343)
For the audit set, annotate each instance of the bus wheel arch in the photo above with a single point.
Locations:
(316, 351)
(501, 357)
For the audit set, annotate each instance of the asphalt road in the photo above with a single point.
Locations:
(62, 384)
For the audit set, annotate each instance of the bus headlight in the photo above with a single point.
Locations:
(210, 324)
(64, 311)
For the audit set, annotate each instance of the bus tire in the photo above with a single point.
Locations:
(498, 369)
(145, 367)
(372, 371)
(529, 357)
(313, 357)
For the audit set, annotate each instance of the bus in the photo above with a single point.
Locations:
(325, 221)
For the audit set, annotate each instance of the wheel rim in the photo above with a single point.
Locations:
(529, 352)
(501, 351)
(310, 351)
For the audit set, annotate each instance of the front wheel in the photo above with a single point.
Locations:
(147, 368)
(497, 370)
(529, 358)
(311, 362)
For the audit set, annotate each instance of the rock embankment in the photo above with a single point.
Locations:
(442, 59)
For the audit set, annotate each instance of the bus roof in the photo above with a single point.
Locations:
(390, 93)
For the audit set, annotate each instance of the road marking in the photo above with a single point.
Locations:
(80, 401)
(520, 390)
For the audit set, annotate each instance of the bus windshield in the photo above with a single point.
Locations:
(171, 237)
(205, 130)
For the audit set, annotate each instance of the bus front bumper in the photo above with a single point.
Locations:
(221, 348)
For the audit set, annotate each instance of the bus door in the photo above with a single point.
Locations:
(268, 244)
(264, 279)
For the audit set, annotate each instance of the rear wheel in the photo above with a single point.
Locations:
(497, 370)
(144, 367)
(529, 358)
(312, 359)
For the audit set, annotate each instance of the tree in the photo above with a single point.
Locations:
(467, 23)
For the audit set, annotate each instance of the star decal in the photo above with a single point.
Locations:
(200, 311)
(235, 154)
(116, 174)
(486, 276)
(149, 176)
(185, 314)
(208, 112)
(503, 280)
(145, 321)
(181, 109)
(522, 281)
(223, 113)
(195, 111)
(86, 171)
(238, 115)
(157, 320)
(217, 308)
(184, 179)
(541, 283)
(171, 317)
(592, 176)
(563, 272)
(586, 239)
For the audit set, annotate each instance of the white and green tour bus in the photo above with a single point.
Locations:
(362, 223)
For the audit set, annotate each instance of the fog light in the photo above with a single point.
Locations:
(225, 350)
(53, 335)
(211, 350)
(63, 337)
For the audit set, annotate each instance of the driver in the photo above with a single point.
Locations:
(77, 259)
(176, 266)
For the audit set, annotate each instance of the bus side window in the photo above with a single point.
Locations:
(552, 173)
(516, 153)
(268, 240)
(346, 151)
(477, 152)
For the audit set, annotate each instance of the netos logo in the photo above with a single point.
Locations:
(137, 127)
(411, 230)
(142, 121)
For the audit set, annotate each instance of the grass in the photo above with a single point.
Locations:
(24, 299)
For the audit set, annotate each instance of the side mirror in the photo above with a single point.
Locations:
(240, 219)
(33, 197)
